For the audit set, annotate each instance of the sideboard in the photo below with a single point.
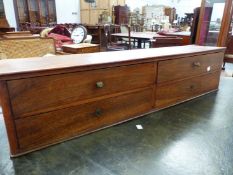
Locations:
(49, 100)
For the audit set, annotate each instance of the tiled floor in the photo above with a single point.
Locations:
(228, 72)
(194, 138)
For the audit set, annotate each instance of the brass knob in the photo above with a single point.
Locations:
(100, 84)
(196, 64)
(192, 87)
(98, 112)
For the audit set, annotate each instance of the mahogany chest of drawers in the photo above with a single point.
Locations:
(50, 100)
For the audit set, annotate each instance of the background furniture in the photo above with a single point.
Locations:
(4, 25)
(98, 34)
(21, 34)
(121, 14)
(157, 14)
(212, 31)
(90, 12)
(186, 36)
(81, 48)
(35, 12)
(194, 27)
(141, 37)
(26, 47)
(229, 51)
(167, 42)
(116, 46)
(47, 101)
(171, 12)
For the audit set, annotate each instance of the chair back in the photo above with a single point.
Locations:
(108, 29)
(155, 28)
(167, 42)
(107, 32)
(126, 29)
(26, 47)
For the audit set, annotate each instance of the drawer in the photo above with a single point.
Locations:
(43, 129)
(81, 50)
(173, 93)
(42, 94)
(187, 67)
(90, 50)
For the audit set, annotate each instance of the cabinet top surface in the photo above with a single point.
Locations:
(12, 67)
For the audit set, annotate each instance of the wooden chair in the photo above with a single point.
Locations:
(26, 47)
(115, 46)
(166, 42)
(156, 28)
(229, 52)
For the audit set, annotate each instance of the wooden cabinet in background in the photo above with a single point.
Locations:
(121, 14)
(2, 10)
(36, 12)
(4, 25)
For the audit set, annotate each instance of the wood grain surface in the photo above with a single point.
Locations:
(61, 124)
(190, 66)
(42, 94)
(29, 67)
(172, 93)
(50, 100)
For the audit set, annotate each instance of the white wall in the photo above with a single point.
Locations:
(186, 6)
(10, 12)
(68, 11)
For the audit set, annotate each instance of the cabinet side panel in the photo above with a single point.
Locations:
(8, 118)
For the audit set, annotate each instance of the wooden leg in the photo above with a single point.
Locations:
(223, 67)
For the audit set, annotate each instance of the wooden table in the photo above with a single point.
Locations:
(140, 36)
(50, 100)
(81, 48)
(98, 34)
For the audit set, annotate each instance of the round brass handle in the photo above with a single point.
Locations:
(100, 84)
(196, 64)
(192, 87)
(98, 112)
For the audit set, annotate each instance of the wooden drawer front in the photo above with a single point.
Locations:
(173, 93)
(42, 94)
(90, 50)
(43, 129)
(81, 50)
(190, 66)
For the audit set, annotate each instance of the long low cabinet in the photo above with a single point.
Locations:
(49, 100)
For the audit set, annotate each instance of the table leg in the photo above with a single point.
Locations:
(139, 43)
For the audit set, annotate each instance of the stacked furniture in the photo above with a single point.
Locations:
(90, 12)
(47, 101)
